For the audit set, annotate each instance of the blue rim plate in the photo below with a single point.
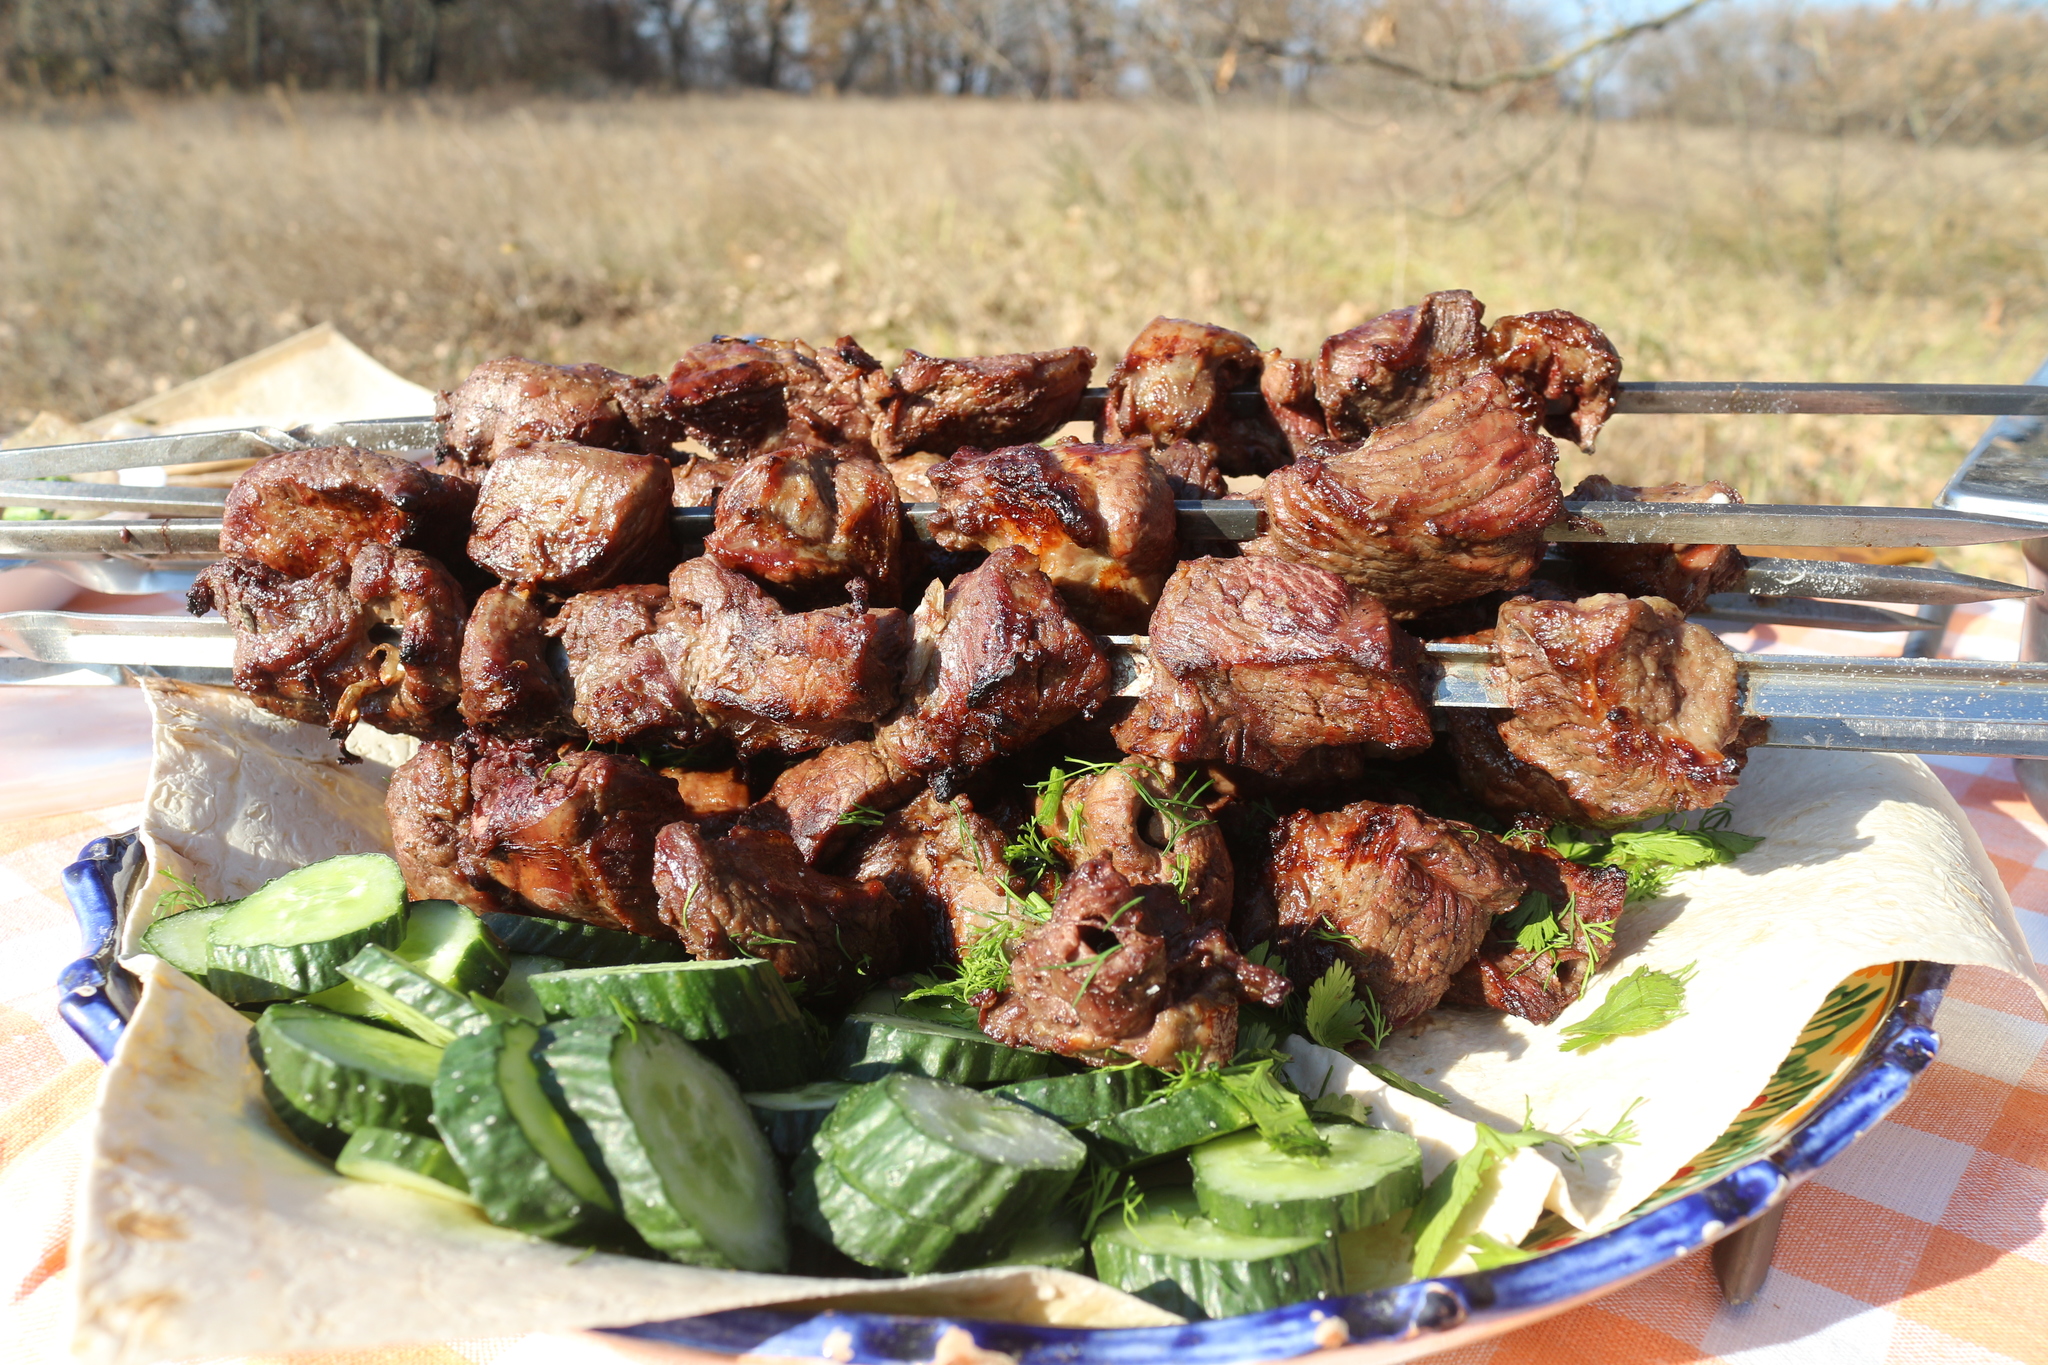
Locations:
(98, 996)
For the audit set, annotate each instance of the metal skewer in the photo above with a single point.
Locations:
(1900, 705)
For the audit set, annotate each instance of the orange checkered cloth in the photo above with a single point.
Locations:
(1926, 1242)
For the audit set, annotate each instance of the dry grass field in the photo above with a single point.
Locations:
(143, 242)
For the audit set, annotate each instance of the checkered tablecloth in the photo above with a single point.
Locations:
(1926, 1242)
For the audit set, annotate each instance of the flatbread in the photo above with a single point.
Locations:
(203, 1231)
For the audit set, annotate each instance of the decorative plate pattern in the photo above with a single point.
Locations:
(1852, 1063)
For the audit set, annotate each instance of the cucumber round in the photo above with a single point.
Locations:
(408, 997)
(523, 1165)
(451, 945)
(289, 937)
(1170, 1123)
(1244, 1184)
(936, 1152)
(694, 1174)
(535, 935)
(736, 1010)
(183, 939)
(1053, 1239)
(868, 1047)
(385, 1156)
(515, 993)
(1086, 1096)
(825, 1203)
(1173, 1256)
(790, 1118)
(345, 1074)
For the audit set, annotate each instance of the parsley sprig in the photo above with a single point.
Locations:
(1641, 1002)
(1651, 857)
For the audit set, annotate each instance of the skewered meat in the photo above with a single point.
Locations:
(1579, 906)
(1147, 821)
(513, 401)
(996, 664)
(1119, 971)
(744, 398)
(510, 685)
(1622, 710)
(944, 860)
(1289, 388)
(714, 797)
(1402, 898)
(806, 525)
(751, 893)
(1683, 574)
(1389, 369)
(427, 804)
(567, 834)
(818, 801)
(304, 512)
(912, 477)
(625, 659)
(1174, 384)
(1098, 519)
(699, 479)
(379, 641)
(1445, 506)
(567, 518)
(1257, 662)
(1191, 471)
(1562, 361)
(938, 406)
(786, 682)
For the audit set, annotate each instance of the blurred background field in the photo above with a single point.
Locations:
(1748, 194)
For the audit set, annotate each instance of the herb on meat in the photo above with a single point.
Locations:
(1337, 1018)
(862, 817)
(1652, 856)
(1640, 1002)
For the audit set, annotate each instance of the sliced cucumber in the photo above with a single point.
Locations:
(1084, 1097)
(936, 1152)
(345, 1074)
(182, 939)
(385, 1156)
(736, 1010)
(1244, 1184)
(1378, 1257)
(413, 1000)
(825, 1203)
(523, 1165)
(573, 942)
(451, 945)
(1053, 1239)
(694, 1174)
(790, 1118)
(289, 937)
(871, 1046)
(1170, 1123)
(1172, 1256)
(516, 992)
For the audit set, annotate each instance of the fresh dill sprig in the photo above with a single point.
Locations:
(1330, 933)
(184, 895)
(863, 817)
(1622, 1134)
(1105, 1189)
(1641, 1002)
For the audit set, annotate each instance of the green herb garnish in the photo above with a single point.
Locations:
(1282, 1118)
(1641, 1002)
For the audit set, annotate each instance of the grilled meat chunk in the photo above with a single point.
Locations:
(1573, 932)
(305, 512)
(379, 641)
(510, 682)
(1682, 574)
(943, 860)
(751, 893)
(820, 801)
(699, 479)
(806, 526)
(1257, 662)
(428, 804)
(785, 682)
(1402, 898)
(1191, 472)
(1445, 506)
(1621, 710)
(1391, 368)
(513, 401)
(625, 653)
(1289, 388)
(1120, 972)
(1098, 519)
(1148, 821)
(744, 398)
(569, 834)
(939, 406)
(1174, 384)
(1562, 361)
(912, 477)
(564, 518)
(996, 664)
